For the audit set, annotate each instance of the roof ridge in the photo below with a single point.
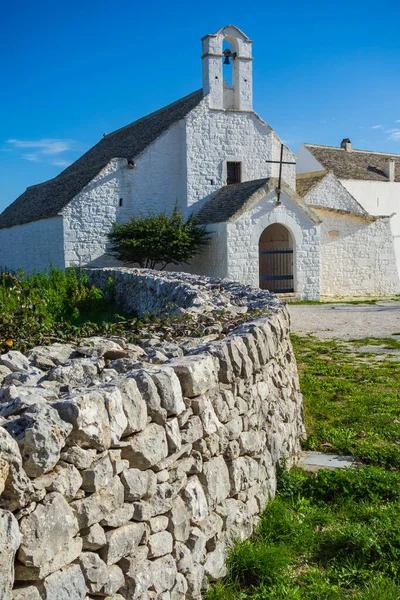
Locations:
(352, 150)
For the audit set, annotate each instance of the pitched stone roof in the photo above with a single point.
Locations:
(232, 200)
(306, 181)
(354, 164)
(49, 198)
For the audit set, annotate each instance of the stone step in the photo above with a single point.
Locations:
(314, 461)
(289, 297)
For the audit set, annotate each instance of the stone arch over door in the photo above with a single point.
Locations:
(276, 259)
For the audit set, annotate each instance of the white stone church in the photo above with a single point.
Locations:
(328, 231)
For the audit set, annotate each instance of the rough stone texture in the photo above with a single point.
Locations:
(46, 530)
(156, 469)
(9, 542)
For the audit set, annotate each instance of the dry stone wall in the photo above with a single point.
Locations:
(125, 471)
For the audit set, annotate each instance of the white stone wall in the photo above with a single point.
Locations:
(216, 136)
(140, 478)
(330, 193)
(154, 185)
(32, 246)
(357, 256)
(243, 237)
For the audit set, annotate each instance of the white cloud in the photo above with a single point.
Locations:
(61, 163)
(376, 127)
(397, 121)
(394, 134)
(44, 150)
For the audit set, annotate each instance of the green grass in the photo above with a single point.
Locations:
(334, 535)
(352, 406)
(328, 536)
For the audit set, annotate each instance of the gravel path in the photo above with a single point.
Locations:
(347, 321)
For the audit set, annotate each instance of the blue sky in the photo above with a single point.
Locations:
(74, 70)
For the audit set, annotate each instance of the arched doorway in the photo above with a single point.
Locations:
(276, 259)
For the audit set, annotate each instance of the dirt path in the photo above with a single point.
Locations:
(347, 321)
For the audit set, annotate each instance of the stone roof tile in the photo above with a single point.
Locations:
(49, 198)
(354, 164)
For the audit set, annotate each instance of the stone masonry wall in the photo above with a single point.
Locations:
(357, 256)
(126, 471)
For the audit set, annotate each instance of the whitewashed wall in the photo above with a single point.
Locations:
(357, 256)
(243, 237)
(154, 185)
(330, 193)
(379, 198)
(32, 246)
(216, 136)
(212, 261)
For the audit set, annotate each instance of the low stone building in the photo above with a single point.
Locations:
(210, 153)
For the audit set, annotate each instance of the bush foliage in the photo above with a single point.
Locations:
(157, 239)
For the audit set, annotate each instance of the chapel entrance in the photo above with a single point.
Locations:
(276, 259)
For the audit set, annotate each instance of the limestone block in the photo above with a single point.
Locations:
(146, 448)
(46, 357)
(192, 464)
(197, 374)
(251, 442)
(4, 470)
(134, 406)
(215, 479)
(169, 389)
(196, 499)
(9, 542)
(193, 430)
(96, 507)
(89, 417)
(179, 520)
(138, 579)
(4, 371)
(239, 475)
(67, 584)
(164, 573)
(18, 489)
(197, 544)
(15, 361)
(180, 588)
(72, 374)
(94, 570)
(40, 434)
(225, 370)
(114, 404)
(173, 435)
(115, 581)
(210, 420)
(183, 557)
(77, 456)
(94, 537)
(29, 592)
(119, 516)
(64, 478)
(234, 428)
(150, 394)
(98, 475)
(138, 484)
(160, 544)
(121, 542)
(68, 553)
(211, 526)
(158, 524)
(195, 582)
(215, 562)
(46, 530)
(136, 557)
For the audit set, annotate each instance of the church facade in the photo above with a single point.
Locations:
(213, 155)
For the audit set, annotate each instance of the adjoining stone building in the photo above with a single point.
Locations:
(213, 155)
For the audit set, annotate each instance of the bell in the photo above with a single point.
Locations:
(226, 61)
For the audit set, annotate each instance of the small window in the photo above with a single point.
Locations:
(233, 172)
(121, 202)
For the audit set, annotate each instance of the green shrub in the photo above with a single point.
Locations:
(156, 240)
